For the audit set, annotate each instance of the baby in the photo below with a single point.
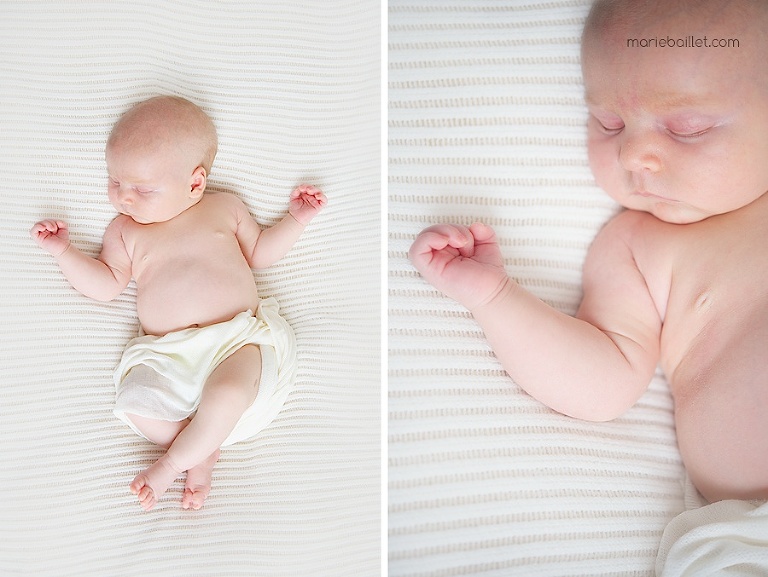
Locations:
(679, 137)
(213, 356)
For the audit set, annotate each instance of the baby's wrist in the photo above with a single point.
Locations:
(63, 252)
(302, 224)
(504, 290)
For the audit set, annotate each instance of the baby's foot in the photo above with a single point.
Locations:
(198, 483)
(150, 484)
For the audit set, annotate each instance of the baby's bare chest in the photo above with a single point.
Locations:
(202, 238)
(179, 250)
(717, 304)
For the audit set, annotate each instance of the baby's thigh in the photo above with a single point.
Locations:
(236, 378)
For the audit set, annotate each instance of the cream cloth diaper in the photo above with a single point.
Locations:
(163, 377)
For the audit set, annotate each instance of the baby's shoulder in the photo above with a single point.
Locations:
(629, 224)
(222, 198)
(637, 230)
(120, 225)
(227, 206)
(642, 240)
(225, 201)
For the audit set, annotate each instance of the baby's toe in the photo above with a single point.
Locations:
(194, 497)
(186, 499)
(147, 498)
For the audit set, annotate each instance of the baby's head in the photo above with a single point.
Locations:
(159, 155)
(678, 131)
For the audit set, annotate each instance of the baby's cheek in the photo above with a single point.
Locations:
(603, 161)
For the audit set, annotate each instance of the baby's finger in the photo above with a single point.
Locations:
(425, 245)
(54, 226)
(455, 235)
(304, 189)
(482, 233)
(321, 199)
(433, 241)
(43, 226)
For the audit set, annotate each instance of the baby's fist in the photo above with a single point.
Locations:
(464, 263)
(51, 235)
(306, 201)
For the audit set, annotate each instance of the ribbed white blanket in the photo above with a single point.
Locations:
(487, 122)
(294, 89)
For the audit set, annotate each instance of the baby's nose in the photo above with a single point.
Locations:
(125, 196)
(640, 152)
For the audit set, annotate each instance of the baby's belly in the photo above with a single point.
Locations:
(175, 298)
(720, 390)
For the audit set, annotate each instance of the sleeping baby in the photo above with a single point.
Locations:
(678, 135)
(213, 361)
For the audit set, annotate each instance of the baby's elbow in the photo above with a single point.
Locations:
(261, 260)
(257, 263)
(609, 405)
(604, 414)
(103, 296)
(595, 413)
(105, 293)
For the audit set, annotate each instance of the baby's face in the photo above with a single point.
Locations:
(150, 185)
(677, 132)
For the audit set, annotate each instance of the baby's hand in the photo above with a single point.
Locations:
(52, 235)
(463, 263)
(306, 201)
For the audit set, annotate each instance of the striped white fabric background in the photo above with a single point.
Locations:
(293, 87)
(486, 122)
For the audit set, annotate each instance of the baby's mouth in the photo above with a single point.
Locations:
(650, 195)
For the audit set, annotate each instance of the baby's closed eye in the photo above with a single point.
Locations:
(690, 126)
(608, 123)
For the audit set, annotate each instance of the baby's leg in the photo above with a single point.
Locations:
(149, 485)
(229, 391)
(198, 483)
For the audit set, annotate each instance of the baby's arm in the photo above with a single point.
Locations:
(103, 278)
(594, 366)
(263, 248)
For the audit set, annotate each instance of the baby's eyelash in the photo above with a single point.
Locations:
(606, 129)
(694, 134)
(611, 130)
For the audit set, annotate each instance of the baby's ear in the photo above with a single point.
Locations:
(198, 181)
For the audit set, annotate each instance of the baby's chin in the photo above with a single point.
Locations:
(678, 218)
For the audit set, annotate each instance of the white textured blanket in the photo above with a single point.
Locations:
(724, 539)
(294, 89)
(487, 122)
